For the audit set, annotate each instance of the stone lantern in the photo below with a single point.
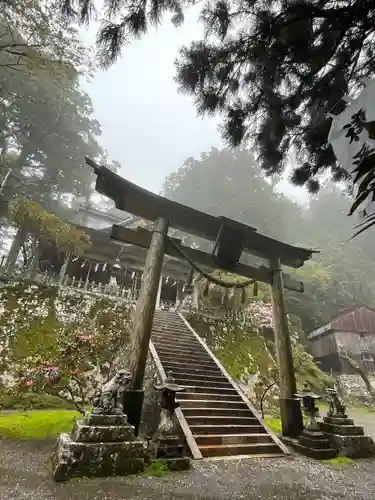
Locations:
(165, 445)
(168, 404)
(308, 399)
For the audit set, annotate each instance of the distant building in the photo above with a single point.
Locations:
(354, 330)
(106, 258)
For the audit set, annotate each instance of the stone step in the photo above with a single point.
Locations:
(218, 420)
(177, 345)
(342, 430)
(208, 367)
(165, 315)
(201, 364)
(210, 429)
(313, 442)
(173, 335)
(174, 339)
(218, 439)
(180, 349)
(170, 325)
(199, 389)
(182, 375)
(209, 403)
(226, 450)
(200, 382)
(181, 356)
(318, 454)
(196, 361)
(199, 374)
(187, 395)
(217, 412)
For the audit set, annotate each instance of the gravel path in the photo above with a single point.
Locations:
(25, 475)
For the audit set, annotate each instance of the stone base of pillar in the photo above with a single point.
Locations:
(133, 404)
(291, 417)
(312, 444)
(170, 451)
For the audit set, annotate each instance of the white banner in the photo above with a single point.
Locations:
(349, 136)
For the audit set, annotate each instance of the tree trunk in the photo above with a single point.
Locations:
(15, 248)
(35, 258)
(361, 372)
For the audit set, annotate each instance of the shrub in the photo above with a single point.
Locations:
(31, 401)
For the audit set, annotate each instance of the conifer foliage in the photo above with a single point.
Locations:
(274, 69)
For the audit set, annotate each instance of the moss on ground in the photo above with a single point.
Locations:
(156, 468)
(339, 461)
(39, 425)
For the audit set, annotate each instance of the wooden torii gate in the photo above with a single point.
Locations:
(231, 240)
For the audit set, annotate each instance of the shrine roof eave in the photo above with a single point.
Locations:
(138, 201)
(104, 250)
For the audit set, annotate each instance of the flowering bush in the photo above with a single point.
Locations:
(243, 341)
(59, 342)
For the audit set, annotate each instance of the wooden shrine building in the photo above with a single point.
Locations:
(107, 260)
(353, 330)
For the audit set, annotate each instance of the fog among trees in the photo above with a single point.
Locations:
(229, 183)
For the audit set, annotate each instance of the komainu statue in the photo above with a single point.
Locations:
(337, 406)
(107, 400)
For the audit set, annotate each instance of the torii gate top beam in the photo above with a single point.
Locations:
(138, 201)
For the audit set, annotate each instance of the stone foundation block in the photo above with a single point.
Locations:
(352, 446)
(102, 434)
(312, 444)
(176, 464)
(105, 420)
(338, 421)
(341, 430)
(74, 459)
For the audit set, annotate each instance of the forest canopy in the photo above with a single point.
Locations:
(273, 70)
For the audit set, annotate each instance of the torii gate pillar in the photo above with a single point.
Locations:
(290, 406)
(142, 323)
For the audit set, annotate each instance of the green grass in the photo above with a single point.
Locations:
(339, 461)
(45, 424)
(274, 424)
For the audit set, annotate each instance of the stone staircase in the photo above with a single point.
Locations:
(214, 414)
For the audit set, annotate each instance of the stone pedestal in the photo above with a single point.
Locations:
(348, 439)
(100, 445)
(314, 444)
(169, 450)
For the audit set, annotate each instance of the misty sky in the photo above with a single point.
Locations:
(147, 125)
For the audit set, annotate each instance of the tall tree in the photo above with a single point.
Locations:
(231, 184)
(35, 37)
(52, 129)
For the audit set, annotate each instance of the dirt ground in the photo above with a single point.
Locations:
(25, 475)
